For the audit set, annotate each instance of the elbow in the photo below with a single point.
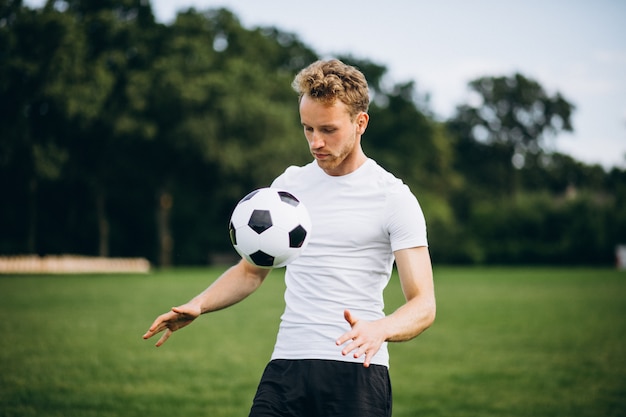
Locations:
(423, 322)
(430, 313)
(433, 314)
(424, 318)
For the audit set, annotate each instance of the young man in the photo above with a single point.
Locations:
(330, 357)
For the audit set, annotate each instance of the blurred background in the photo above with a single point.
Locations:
(131, 128)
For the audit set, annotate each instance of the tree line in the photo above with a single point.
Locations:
(121, 136)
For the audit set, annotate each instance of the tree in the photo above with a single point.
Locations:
(508, 120)
(516, 112)
(42, 82)
(211, 101)
(117, 34)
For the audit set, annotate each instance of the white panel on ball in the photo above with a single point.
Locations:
(270, 227)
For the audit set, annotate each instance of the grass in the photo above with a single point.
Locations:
(506, 342)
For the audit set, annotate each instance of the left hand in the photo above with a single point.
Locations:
(365, 338)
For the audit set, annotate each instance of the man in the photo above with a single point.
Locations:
(330, 357)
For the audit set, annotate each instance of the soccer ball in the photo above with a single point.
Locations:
(270, 227)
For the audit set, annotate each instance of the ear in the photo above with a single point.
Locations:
(361, 121)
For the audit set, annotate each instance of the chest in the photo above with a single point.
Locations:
(346, 216)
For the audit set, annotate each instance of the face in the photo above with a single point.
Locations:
(334, 138)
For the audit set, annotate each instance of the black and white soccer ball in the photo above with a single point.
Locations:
(270, 227)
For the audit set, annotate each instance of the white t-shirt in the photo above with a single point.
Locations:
(358, 221)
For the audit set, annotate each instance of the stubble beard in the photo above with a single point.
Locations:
(334, 160)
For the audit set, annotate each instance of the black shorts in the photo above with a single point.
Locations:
(322, 388)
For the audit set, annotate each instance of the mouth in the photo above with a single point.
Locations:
(320, 156)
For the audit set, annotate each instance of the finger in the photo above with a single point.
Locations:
(368, 358)
(157, 327)
(351, 347)
(369, 355)
(347, 350)
(164, 338)
(151, 332)
(159, 324)
(348, 316)
(345, 337)
(179, 310)
(348, 335)
(362, 350)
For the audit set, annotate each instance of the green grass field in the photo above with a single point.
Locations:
(507, 342)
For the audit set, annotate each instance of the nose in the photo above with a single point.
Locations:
(315, 141)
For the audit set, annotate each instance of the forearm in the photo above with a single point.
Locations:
(232, 286)
(410, 320)
(416, 278)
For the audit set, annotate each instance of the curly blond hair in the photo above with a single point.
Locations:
(328, 81)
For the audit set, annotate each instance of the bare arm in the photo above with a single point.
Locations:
(416, 278)
(408, 321)
(232, 286)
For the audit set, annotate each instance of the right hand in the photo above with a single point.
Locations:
(176, 318)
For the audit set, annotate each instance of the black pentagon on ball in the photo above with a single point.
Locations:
(231, 232)
(261, 258)
(297, 237)
(249, 196)
(288, 198)
(260, 221)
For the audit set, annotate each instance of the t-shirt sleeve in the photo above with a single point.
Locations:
(282, 180)
(406, 223)
(278, 182)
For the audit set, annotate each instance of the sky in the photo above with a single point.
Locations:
(574, 47)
